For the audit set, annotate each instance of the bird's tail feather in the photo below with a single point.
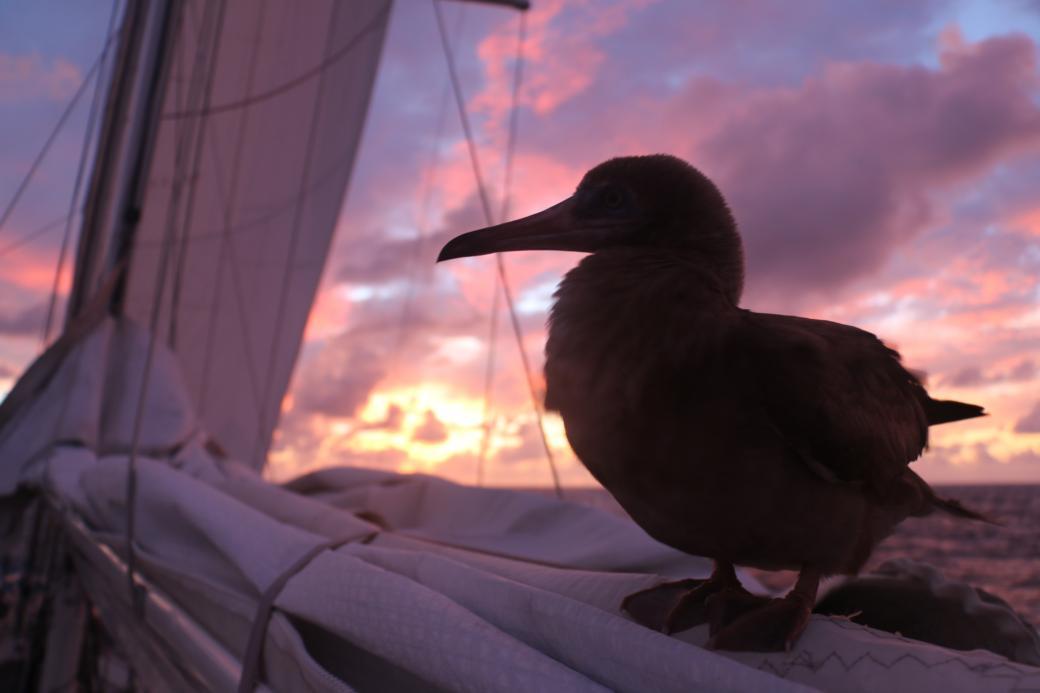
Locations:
(927, 500)
(958, 509)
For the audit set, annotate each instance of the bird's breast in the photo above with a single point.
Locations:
(629, 352)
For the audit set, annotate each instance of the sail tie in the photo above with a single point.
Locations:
(258, 634)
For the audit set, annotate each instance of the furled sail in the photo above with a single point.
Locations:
(262, 110)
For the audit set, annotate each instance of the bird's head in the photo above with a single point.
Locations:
(655, 202)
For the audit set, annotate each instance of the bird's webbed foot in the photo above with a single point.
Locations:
(774, 627)
(672, 607)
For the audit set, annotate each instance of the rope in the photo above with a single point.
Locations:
(485, 203)
(224, 236)
(507, 185)
(422, 218)
(489, 376)
(240, 303)
(317, 70)
(250, 225)
(19, 242)
(180, 164)
(80, 169)
(54, 134)
(258, 632)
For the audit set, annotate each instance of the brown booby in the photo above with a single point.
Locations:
(772, 441)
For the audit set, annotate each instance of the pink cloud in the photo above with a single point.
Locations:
(841, 182)
(338, 381)
(30, 77)
(1030, 423)
(561, 62)
(828, 178)
(432, 429)
(27, 322)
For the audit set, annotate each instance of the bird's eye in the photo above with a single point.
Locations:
(612, 198)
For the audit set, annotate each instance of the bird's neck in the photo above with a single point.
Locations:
(630, 314)
(636, 275)
(630, 295)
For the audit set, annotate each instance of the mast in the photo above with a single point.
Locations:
(132, 109)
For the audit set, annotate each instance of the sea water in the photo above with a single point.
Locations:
(1001, 559)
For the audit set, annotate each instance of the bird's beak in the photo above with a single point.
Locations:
(550, 229)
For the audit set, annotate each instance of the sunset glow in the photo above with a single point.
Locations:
(882, 161)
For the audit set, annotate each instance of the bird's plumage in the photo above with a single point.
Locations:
(758, 439)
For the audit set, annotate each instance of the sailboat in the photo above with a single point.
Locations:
(151, 552)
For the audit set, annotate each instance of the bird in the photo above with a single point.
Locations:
(771, 441)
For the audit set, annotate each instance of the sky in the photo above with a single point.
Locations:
(882, 160)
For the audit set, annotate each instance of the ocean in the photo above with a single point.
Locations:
(1003, 560)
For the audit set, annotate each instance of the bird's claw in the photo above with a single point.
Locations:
(653, 606)
(729, 605)
(774, 627)
(673, 607)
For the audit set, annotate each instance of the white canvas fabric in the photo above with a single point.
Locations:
(262, 115)
(442, 587)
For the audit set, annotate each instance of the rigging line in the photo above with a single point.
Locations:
(283, 296)
(482, 190)
(80, 90)
(249, 225)
(228, 202)
(171, 27)
(217, 28)
(35, 233)
(332, 58)
(424, 208)
(507, 185)
(489, 376)
(80, 170)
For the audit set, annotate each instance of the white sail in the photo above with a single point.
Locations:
(262, 114)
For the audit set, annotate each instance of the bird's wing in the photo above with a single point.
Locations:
(836, 394)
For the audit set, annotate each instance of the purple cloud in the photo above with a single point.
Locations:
(338, 379)
(828, 179)
(32, 76)
(973, 376)
(1030, 423)
(27, 322)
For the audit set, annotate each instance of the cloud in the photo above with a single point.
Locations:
(563, 54)
(1025, 370)
(431, 430)
(27, 322)
(972, 462)
(970, 376)
(877, 178)
(1030, 423)
(337, 380)
(973, 376)
(528, 449)
(30, 77)
(829, 178)
(376, 258)
(391, 422)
